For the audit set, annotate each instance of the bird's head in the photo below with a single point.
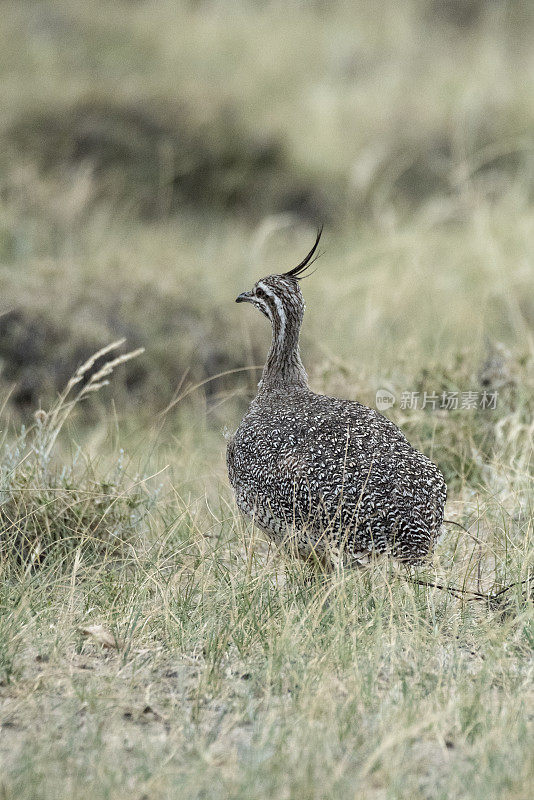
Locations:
(279, 296)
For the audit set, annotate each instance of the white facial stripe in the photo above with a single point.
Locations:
(265, 306)
(279, 307)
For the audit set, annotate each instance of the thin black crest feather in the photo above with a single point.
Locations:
(306, 262)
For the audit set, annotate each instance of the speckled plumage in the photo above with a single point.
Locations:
(330, 476)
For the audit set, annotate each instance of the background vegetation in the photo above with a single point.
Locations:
(156, 158)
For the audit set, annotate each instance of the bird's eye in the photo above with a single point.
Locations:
(260, 292)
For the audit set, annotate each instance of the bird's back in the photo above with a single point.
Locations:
(336, 471)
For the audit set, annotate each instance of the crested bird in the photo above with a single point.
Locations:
(332, 478)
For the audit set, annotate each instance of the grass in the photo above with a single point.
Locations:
(152, 645)
(194, 660)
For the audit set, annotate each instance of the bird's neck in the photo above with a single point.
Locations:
(284, 368)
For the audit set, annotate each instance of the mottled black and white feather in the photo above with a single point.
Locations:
(330, 476)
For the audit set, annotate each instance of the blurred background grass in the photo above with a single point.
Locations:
(158, 157)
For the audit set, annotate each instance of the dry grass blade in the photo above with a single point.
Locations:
(80, 372)
(181, 395)
(52, 422)
(109, 366)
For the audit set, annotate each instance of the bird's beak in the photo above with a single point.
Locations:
(244, 297)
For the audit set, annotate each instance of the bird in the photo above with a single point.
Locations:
(332, 479)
